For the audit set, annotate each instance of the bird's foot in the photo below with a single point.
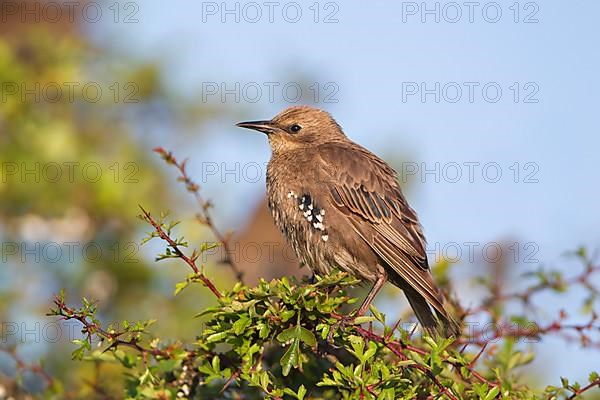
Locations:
(343, 321)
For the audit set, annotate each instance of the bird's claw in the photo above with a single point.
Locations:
(341, 324)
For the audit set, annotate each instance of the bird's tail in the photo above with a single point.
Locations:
(440, 323)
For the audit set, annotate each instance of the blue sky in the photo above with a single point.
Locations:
(374, 51)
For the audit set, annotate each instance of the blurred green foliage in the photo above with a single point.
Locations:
(74, 167)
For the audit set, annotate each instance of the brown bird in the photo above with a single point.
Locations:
(340, 207)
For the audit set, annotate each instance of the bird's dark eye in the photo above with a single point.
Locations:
(295, 128)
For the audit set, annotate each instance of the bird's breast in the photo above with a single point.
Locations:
(301, 214)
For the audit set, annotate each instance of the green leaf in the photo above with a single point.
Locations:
(287, 335)
(358, 345)
(216, 363)
(264, 331)
(362, 320)
(241, 324)
(432, 343)
(307, 337)
(378, 315)
(291, 358)
(370, 351)
(301, 392)
(264, 380)
(215, 337)
(492, 393)
(208, 246)
(180, 286)
(147, 377)
(84, 346)
(325, 332)
(298, 333)
(286, 315)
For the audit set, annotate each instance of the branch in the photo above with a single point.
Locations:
(204, 217)
(585, 389)
(91, 328)
(533, 330)
(549, 281)
(396, 346)
(22, 365)
(189, 261)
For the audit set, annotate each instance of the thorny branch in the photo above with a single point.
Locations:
(191, 261)
(547, 281)
(204, 216)
(534, 331)
(91, 328)
(22, 365)
(397, 348)
(556, 282)
(591, 385)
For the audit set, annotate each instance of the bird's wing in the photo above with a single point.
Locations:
(365, 188)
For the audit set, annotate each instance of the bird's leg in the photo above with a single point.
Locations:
(371, 295)
(363, 307)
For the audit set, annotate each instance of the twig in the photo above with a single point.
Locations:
(585, 389)
(532, 331)
(91, 328)
(189, 261)
(525, 296)
(396, 348)
(397, 345)
(204, 216)
(22, 365)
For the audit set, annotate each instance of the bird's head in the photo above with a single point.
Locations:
(298, 127)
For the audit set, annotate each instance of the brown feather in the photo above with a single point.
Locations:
(398, 239)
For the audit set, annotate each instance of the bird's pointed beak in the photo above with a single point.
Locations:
(261, 126)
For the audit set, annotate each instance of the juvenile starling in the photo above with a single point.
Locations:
(340, 207)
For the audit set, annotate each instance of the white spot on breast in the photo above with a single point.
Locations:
(325, 238)
(313, 214)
